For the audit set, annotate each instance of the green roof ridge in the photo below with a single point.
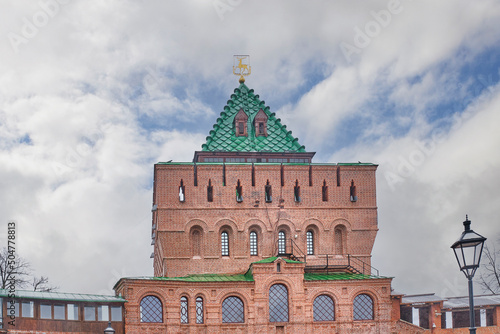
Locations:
(223, 137)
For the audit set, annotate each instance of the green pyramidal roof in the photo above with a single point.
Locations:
(223, 137)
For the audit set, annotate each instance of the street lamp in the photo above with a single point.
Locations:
(110, 329)
(468, 249)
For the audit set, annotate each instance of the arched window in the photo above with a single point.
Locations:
(339, 240)
(278, 303)
(199, 310)
(310, 243)
(224, 244)
(184, 310)
(253, 243)
(233, 310)
(363, 307)
(151, 309)
(324, 308)
(196, 242)
(281, 242)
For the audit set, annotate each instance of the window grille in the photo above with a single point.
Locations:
(241, 128)
(363, 307)
(261, 128)
(184, 310)
(253, 243)
(278, 303)
(324, 308)
(199, 310)
(310, 243)
(281, 242)
(151, 309)
(232, 310)
(224, 242)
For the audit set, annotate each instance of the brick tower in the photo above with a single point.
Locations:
(253, 237)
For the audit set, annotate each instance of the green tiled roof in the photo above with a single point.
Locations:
(337, 276)
(274, 258)
(62, 296)
(247, 277)
(223, 138)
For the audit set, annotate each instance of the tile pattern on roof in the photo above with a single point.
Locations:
(223, 138)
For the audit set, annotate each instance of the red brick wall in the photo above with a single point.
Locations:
(174, 219)
(255, 296)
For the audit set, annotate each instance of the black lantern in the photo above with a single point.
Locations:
(110, 329)
(468, 249)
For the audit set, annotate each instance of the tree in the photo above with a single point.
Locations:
(490, 271)
(42, 284)
(16, 269)
(13, 267)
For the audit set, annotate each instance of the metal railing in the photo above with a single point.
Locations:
(329, 262)
(290, 249)
(324, 262)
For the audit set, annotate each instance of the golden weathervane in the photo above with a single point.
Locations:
(243, 66)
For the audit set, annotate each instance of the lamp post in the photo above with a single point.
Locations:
(110, 329)
(468, 249)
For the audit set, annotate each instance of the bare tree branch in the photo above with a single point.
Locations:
(489, 279)
(18, 269)
(42, 284)
(13, 267)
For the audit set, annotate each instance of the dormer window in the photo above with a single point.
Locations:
(240, 123)
(260, 124)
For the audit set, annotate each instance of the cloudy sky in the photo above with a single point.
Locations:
(93, 93)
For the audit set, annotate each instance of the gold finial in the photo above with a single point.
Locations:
(243, 68)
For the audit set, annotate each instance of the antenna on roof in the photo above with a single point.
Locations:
(241, 66)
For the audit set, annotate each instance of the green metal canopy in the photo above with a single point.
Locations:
(223, 137)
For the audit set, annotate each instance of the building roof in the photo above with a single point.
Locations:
(463, 302)
(274, 258)
(223, 139)
(421, 298)
(338, 276)
(63, 296)
(248, 276)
